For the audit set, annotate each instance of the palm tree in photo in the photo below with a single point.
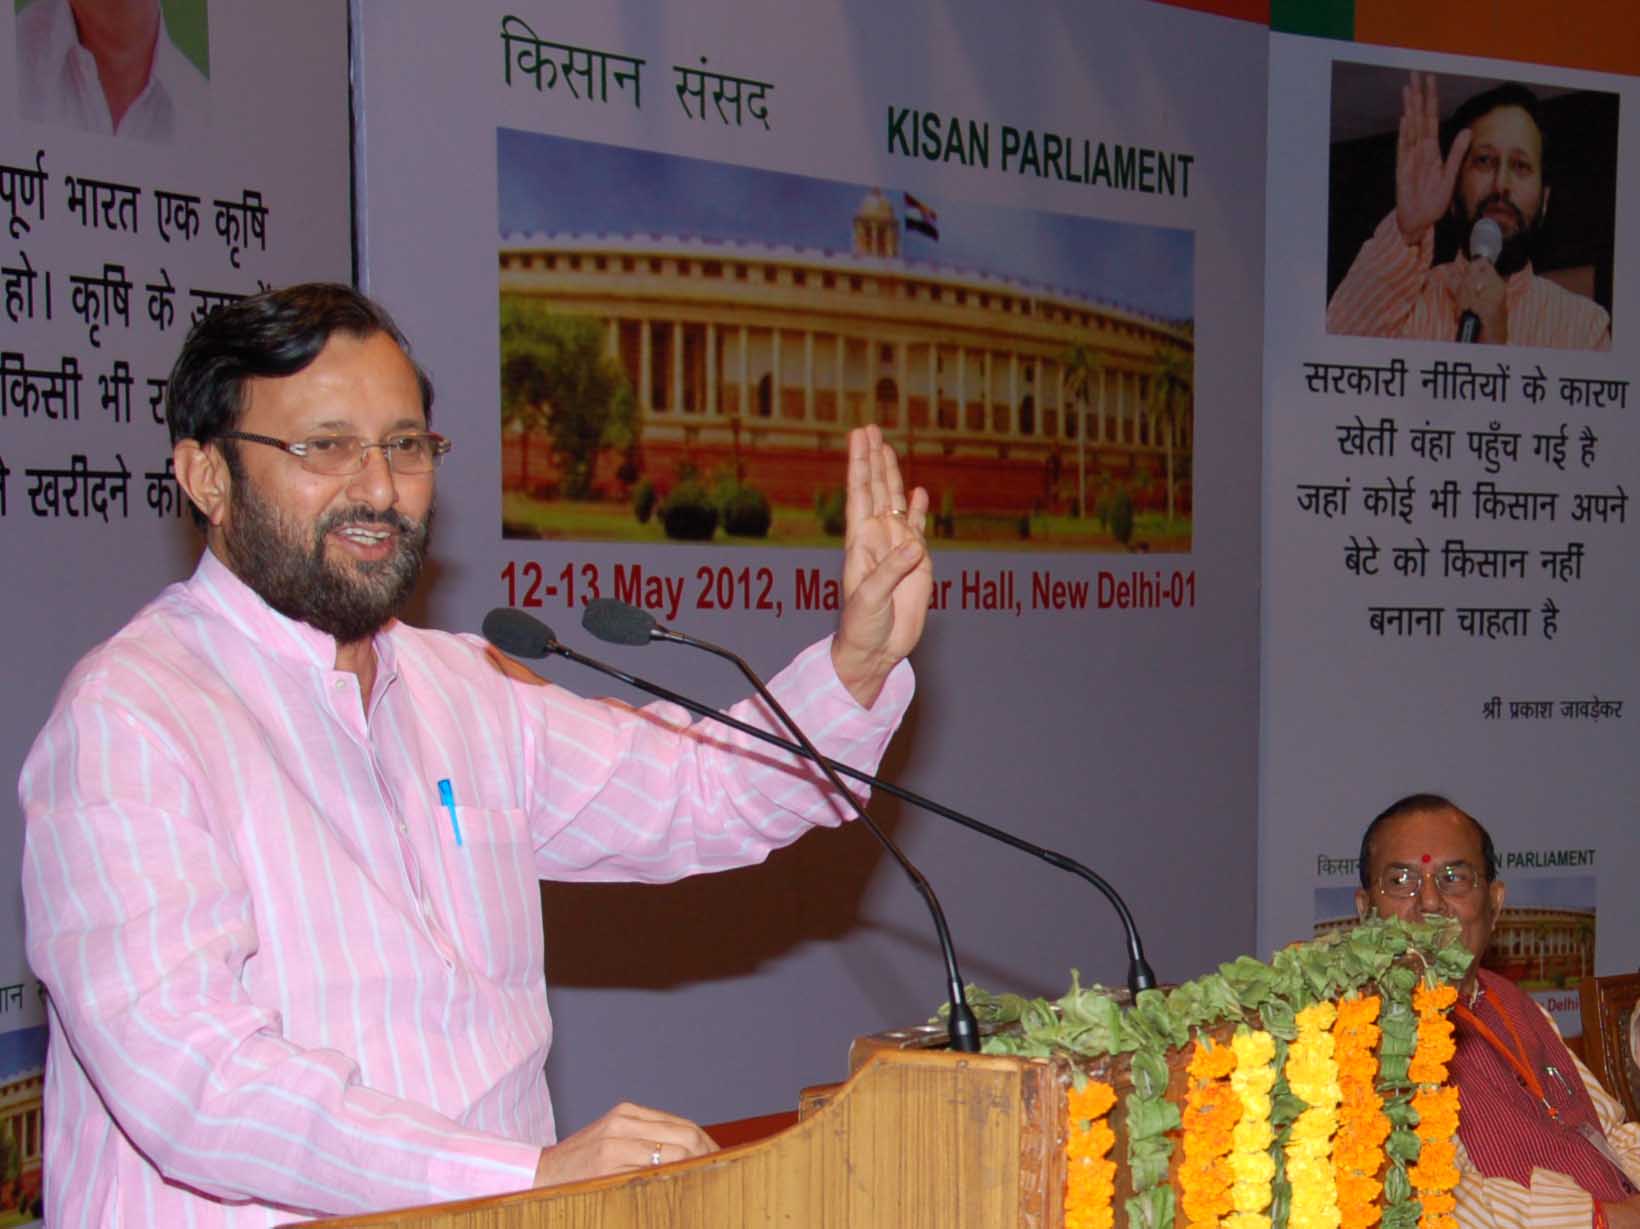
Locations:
(1168, 405)
(1084, 370)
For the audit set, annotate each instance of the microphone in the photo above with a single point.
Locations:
(1485, 243)
(517, 633)
(523, 635)
(622, 623)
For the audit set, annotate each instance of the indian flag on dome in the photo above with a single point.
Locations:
(920, 218)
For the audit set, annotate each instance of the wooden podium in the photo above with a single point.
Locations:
(916, 1139)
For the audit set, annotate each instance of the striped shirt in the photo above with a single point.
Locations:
(285, 978)
(1530, 1160)
(1392, 291)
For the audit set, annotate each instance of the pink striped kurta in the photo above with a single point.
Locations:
(1391, 290)
(278, 984)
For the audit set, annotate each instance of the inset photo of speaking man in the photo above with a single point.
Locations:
(1470, 210)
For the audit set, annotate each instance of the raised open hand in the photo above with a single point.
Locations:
(888, 577)
(1423, 180)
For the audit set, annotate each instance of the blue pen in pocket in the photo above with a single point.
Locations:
(447, 796)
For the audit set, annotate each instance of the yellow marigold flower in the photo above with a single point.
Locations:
(1254, 1098)
(1314, 1128)
(1253, 1049)
(1302, 1171)
(1316, 1017)
(1252, 1135)
(1318, 1219)
(1252, 1168)
(1250, 1196)
(1318, 1094)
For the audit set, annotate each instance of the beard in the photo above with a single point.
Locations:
(290, 572)
(1519, 244)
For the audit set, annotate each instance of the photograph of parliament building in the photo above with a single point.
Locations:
(1014, 404)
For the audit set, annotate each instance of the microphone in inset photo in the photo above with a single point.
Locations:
(1485, 243)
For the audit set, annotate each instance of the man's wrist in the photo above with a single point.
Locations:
(860, 675)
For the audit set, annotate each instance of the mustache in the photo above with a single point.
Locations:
(390, 518)
(1497, 200)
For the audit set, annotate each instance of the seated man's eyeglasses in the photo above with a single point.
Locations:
(1403, 882)
(407, 452)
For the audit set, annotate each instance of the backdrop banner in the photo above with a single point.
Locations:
(658, 264)
(113, 241)
(1449, 572)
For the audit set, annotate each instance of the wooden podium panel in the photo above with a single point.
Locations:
(914, 1140)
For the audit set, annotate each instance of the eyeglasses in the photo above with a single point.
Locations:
(1404, 882)
(407, 452)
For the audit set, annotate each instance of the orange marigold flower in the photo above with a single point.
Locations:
(1356, 1013)
(1093, 1100)
(1211, 1112)
(1211, 1062)
(1092, 1143)
(1356, 1189)
(1090, 1179)
(1437, 1111)
(1437, 1168)
(1433, 1000)
(1435, 1049)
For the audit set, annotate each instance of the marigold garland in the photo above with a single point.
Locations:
(1312, 1074)
(1090, 1177)
(1436, 1173)
(1358, 1117)
(1435, 1044)
(1362, 1124)
(1211, 1113)
(1251, 1166)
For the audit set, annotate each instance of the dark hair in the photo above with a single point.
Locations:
(274, 333)
(1509, 94)
(1414, 804)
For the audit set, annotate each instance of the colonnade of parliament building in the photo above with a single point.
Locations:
(778, 349)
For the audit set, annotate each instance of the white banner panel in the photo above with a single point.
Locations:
(229, 172)
(1030, 250)
(1449, 563)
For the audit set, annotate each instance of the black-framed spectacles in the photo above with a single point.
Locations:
(1403, 882)
(406, 452)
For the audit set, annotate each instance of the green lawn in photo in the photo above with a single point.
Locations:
(594, 521)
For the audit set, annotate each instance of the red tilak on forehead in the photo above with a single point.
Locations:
(1427, 858)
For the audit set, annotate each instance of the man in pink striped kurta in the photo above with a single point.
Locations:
(281, 851)
(1541, 1144)
(1494, 170)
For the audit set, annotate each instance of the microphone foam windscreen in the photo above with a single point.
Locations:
(1485, 241)
(617, 622)
(522, 635)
